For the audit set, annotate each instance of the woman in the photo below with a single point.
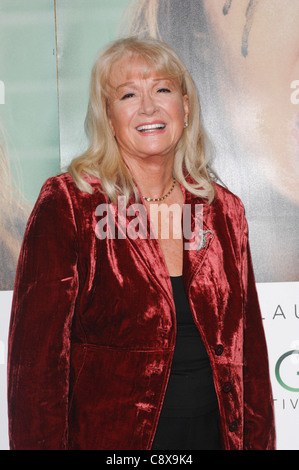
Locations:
(122, 337)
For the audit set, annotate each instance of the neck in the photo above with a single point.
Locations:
(154, 178)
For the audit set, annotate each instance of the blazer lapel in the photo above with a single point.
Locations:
(195, 250)
(144, 244)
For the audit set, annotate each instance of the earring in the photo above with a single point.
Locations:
(186, 124)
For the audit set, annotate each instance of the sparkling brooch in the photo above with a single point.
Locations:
(203, 238)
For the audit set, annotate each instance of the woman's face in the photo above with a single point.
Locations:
(146, 115)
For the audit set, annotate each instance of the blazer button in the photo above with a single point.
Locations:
(219, 349)
(233, 426)
(226, 387)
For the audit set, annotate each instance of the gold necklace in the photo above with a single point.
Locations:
(149, 199)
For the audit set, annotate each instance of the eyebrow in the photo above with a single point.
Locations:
(123, 85)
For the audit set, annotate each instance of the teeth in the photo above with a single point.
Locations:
(149, 127)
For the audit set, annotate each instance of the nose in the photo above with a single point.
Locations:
(148, 105)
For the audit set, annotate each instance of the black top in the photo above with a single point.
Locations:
(190, 389)
(190, 403)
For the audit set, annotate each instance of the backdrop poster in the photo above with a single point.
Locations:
(279, 305)
(243, 56)
(29, 138)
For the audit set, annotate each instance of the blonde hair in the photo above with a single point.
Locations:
(102, 159)
(140, 18)
(14, 212)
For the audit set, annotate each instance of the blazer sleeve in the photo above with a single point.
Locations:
(259, 428)
(43, 305)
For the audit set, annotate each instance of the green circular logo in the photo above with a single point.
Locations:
(277, 370)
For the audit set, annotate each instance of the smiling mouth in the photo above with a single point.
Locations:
(151, 127)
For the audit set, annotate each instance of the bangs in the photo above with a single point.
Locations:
(153, 59)
(161, 65)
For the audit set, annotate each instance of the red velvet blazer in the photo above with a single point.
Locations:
(93, 328)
